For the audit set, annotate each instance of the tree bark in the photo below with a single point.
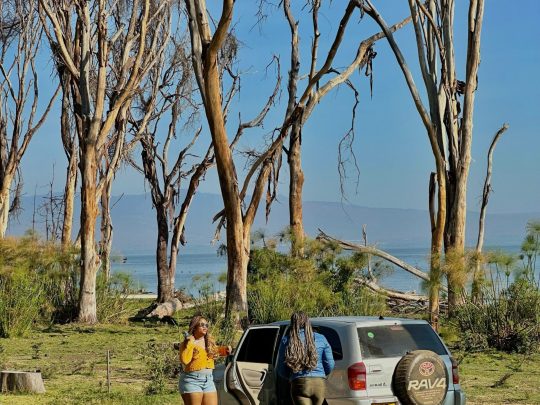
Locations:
(390, 293)
(106, 230)
(165, 273)
(69, 197)
(4, 209)
(478, 274)
(296, 183)
(237, 252)
(21, 382)
(89, 213)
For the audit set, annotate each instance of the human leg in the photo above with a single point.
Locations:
(300, 391)
(317, 390)
(308, 391)
(210, 398)
(193, 398)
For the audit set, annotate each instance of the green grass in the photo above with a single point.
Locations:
(72, 359)
(500, 378)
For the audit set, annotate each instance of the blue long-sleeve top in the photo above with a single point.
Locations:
(325, 359)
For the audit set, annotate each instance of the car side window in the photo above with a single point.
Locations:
(333, 339)
(258, 345)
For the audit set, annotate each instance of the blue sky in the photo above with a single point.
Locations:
(391, 145)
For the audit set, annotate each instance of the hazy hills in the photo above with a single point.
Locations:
(135, 225)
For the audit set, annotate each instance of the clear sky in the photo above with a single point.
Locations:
(391, 144)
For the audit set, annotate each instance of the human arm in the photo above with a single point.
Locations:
(186, 350)
(327, 357)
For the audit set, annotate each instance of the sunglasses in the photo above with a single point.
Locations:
(204, 325)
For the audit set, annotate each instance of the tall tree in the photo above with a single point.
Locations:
(20, 35)
(168, 94)
(320, 81)
(205, 48)
(101, 78)
(448, 121)
(170, 90)
(70, 127)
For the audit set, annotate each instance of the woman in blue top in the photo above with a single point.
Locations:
(305, 359)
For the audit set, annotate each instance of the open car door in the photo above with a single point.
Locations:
(250, 375)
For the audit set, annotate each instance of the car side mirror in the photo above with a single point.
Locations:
(229, 359)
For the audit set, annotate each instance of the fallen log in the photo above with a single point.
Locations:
(21, 382)
(377, 252)
(391, 293)
(166, 309)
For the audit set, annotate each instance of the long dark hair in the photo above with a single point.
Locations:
(301, 355)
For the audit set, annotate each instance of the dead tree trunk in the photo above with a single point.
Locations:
(311, 95)
(107, 58)
(106, 230)
(19, 89)
(370, 250)
(21, 382)
(296, 184)
(205, 49)
(478, 273)
(165, 273)
(69, 196)
(449, 132)
(89, 214)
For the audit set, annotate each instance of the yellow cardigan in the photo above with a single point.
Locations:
(194, 357)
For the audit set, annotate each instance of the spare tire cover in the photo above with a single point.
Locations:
(421, 378)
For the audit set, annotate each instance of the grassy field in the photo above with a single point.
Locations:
(72, 359)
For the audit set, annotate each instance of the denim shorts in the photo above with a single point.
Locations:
(196, 381)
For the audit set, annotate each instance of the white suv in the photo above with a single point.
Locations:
(379, 361)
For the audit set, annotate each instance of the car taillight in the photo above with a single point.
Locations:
(357, 376)
(455, 372)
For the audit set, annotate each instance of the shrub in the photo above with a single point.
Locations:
(321, 284)
(39, 281)
(111, 296)
(21, 300)
(504, 312)
(161, 366)
(208, 301)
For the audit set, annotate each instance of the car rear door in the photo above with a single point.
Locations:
(383, 346)
(249, 376)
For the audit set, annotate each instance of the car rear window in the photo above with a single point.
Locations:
(397, 340)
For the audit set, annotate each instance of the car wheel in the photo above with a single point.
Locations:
(420, 378)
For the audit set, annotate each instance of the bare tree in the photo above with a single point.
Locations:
(20, 33)
(168, 93)
(448, 121)
(320, 81)
(205, 48)
(51, 210)
(107, 59)
(70, 127)
(477, 276)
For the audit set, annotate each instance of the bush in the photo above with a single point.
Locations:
(161, 365)
(21, 300)
(39, 281)
(112, 296)
(321, 284)
(504, 312)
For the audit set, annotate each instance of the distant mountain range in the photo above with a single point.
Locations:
(135, 225)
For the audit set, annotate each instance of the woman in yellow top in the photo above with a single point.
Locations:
(197, 354)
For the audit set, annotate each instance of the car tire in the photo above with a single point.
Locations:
(421, 378)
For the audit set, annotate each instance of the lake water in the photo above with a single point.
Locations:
(205, 264)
